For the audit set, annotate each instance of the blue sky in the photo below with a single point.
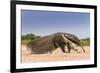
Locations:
(49, 22)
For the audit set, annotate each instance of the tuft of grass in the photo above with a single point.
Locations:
(85, 42)
(25, 42)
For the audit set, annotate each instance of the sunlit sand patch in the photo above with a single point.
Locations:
(57, 55)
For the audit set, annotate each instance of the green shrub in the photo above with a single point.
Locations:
(28, 37)
(85, 42)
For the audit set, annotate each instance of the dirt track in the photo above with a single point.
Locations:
(57, 55)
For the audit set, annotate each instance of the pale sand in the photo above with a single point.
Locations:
(57, 55)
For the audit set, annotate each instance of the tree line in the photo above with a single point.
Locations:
(28, 37)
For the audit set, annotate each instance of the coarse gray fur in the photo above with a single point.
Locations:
(49, 43)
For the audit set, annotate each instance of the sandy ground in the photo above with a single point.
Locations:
(57, 55)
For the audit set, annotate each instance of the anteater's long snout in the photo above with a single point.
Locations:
(82, 48)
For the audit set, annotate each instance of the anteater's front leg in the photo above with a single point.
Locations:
(63, 48)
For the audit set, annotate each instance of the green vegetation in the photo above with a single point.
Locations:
(29, 37)
(85, 42)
